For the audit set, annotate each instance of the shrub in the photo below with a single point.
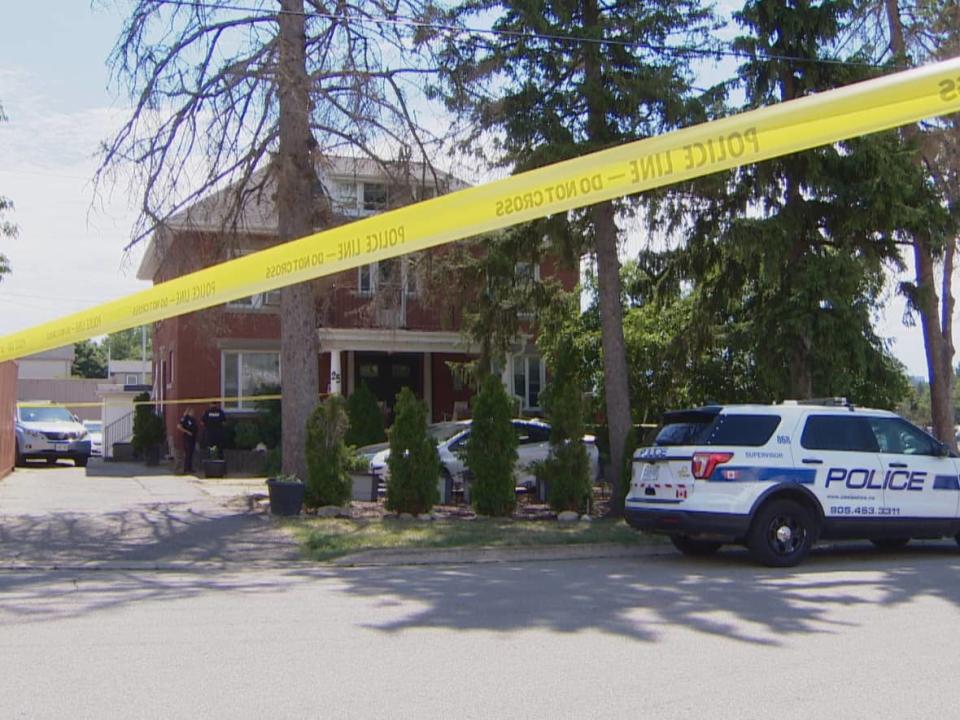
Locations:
(246, 435)
(327, 480)
(366, 420)
(413, 462)
(148, 428)
(567, 467)
(268, 416)
(491, 451)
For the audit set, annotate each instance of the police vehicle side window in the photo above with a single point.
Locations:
(844, 433)
(741, 430)
(899, 437)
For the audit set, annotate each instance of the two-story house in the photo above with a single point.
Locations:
(375, 324)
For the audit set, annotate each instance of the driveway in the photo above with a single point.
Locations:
(61, 515)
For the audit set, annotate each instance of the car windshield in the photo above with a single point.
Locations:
(445, 430)
(684, 427)
(45, 414)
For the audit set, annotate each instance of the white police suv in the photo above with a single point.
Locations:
(779, 477)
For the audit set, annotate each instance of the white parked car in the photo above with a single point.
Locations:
(50, 432)
(95, 428)
(533, 446)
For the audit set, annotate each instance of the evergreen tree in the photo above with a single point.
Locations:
(567, 78)
(567, 468)
(366, 420)
(491, 452)
(89, 360)
(328, 482)
(413, 462)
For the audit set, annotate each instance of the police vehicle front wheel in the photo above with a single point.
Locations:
(689, 546)
(782, 533)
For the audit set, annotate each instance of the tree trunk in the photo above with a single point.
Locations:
(616, 384)
(298, 313)
(936, 314)
(615, 381)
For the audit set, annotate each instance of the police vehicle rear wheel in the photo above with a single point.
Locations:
(18, 459)
(782, 533)
(51, 461)
(689, 546)
(890, 543)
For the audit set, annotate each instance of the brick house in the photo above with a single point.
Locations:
(374, 324)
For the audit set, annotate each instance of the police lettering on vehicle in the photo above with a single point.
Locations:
(865, 479)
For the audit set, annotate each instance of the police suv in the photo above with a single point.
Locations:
(779, 477)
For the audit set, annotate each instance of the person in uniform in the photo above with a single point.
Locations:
(188, 429)
(213, 420)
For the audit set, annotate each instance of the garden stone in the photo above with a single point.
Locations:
(568, 516)
(405, 516)
(345, 512)
(425, 516)
(328, 511)
(586, 519)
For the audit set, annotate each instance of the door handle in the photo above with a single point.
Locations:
(898, 465)
(812, 461)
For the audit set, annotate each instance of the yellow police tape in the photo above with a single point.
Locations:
(179, 401)
(750, 137)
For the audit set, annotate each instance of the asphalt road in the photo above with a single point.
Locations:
(851, 634)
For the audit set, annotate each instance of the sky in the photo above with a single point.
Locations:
(55, 89)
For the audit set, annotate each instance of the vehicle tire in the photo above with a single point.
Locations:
(696, 548)
(782, 533)
(81, 461)
(18, 459)
(890, 543)
(51, 460)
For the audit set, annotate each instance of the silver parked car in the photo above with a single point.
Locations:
(95, 428)
(533, 446)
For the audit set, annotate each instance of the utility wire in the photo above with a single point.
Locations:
(524, 35)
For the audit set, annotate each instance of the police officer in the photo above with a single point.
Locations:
(213, 420)
(188, 428)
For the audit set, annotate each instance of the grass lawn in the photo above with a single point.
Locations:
(324, 539)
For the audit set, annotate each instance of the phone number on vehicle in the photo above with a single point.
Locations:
(863, 510)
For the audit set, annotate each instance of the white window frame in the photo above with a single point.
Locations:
(132, 379)
(524, 361)
(374, 276)
(240, 405)
(268, 300)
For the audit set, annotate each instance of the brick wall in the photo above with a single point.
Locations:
(8, 401)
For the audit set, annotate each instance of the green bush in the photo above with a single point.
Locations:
(148, 428)
(327, 480)
(246, 435)
(491, 451)
(366, 420)
(413, 462)
(268, 416)
(567, 467)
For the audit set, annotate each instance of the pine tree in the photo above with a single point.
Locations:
(328, 482)
(491, 452)
(366, 420)
(413, 462)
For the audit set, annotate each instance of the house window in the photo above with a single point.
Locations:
(345, 196)
(528, 380)
(269, 299)
(132, 379)
(245, 374)
(374, 196)
(526, 271)
(384, 275)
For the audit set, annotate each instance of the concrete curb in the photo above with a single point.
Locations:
(368, 558)
(470, 556)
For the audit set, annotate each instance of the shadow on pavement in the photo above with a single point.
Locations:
(635, 598)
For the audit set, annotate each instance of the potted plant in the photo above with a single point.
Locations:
(214, 466)
(286, 495)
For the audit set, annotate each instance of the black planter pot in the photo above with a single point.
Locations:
(213, 468)
(151, 455)
(286, 498)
